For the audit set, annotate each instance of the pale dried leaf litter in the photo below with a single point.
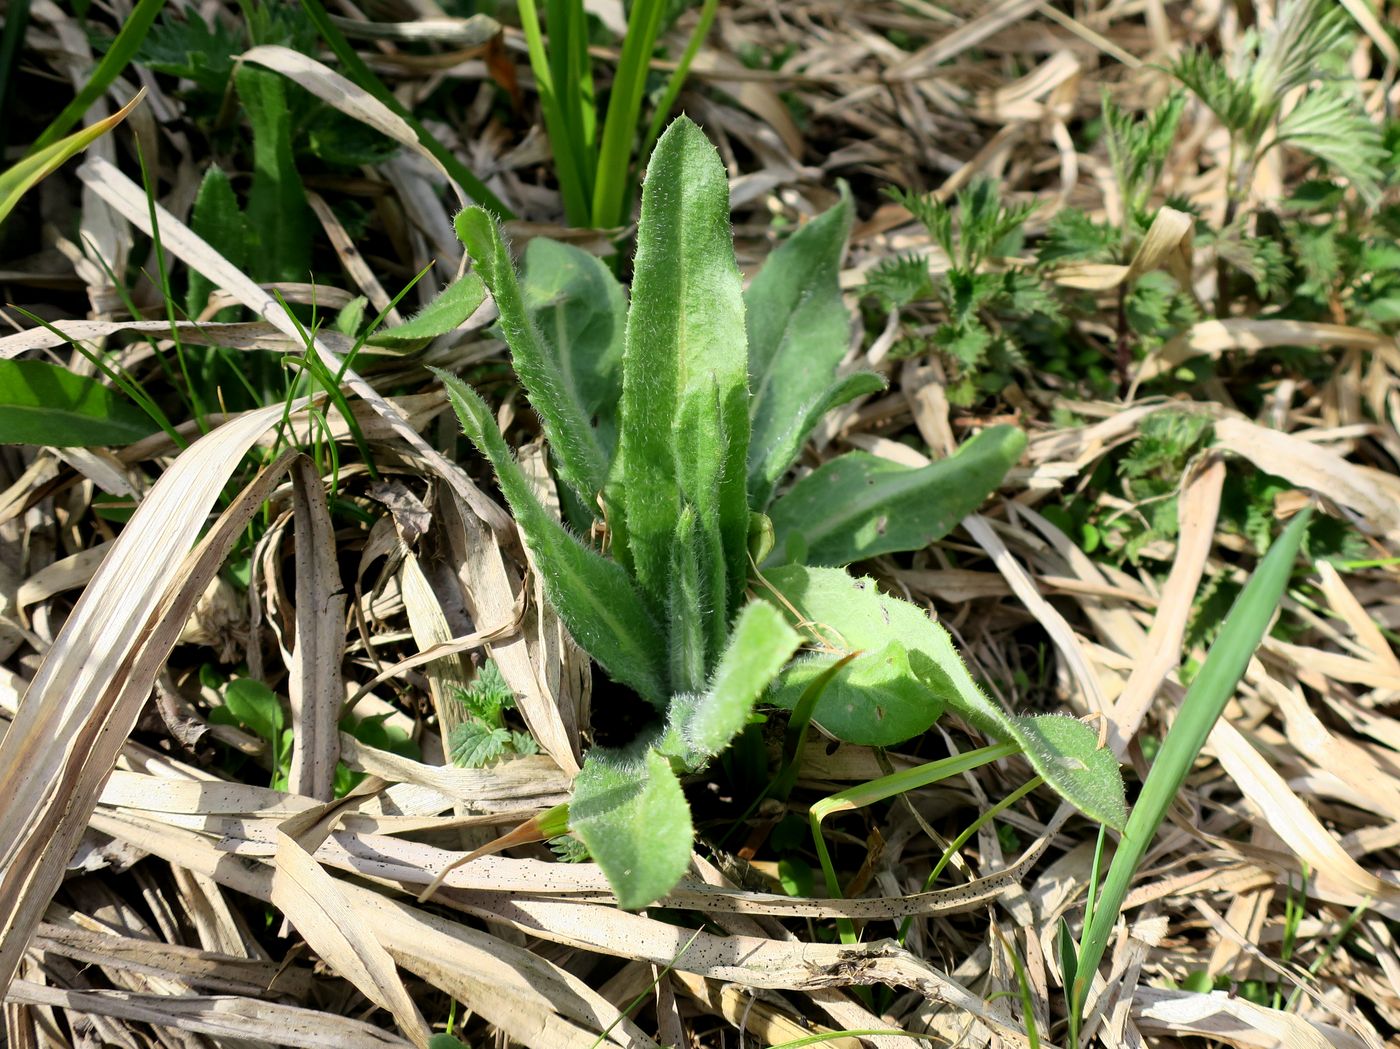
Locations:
(1302, 772)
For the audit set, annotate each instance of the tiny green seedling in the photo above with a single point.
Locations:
(672, 421)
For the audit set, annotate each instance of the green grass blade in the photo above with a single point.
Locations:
(1205, 700)
(624, 107)
(361, 74)
(678, 75)
(118, 56)
(579, 456)
(593, 595)
(685, 422)
(573, 169)
(20, 178)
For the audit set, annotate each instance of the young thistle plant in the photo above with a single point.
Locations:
(677, 417)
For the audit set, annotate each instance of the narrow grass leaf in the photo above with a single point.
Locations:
(684, 368)
(593, 595)
(631, 813)
(43, 404)
(119, 54)
(20, 178)
(1212, 688)
(624, 108)
(579, 456)
(860, 505)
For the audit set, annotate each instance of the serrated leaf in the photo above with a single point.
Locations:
(43, 404)
(876, 699)
(798, 331)
(217, 218)
(579, 456)
(685, 423)
(580, 310)
(594, 596)
(631, 813)
(908, 671)
(473, 744)
(859, 505)
(278, 215)
(447, 312)
(761, 643)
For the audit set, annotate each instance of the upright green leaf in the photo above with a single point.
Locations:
(217, 218)
(798, 330)
(580, 311)
(859, 505)
(593, 595)
(41, 403)
(578, 454)
(629, 810)
(686, 609)
(767, 468)
(278, 214)
(448, 311)
(762, 642)
(1205, 700)
(685, 423)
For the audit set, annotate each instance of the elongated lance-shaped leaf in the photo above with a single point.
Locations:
(578, 455)
(799, 330)
(859, 505)
(41, 403)
(767, 468)
(449, 310)
(1205, 700)
(687, 638)
(629, 810)
(593, 595)
(684, 369)
(761, 643)
(580, 311)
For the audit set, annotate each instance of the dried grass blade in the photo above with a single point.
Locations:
(1199, 507)
(316, 686)
(86, 697)
(177, 238)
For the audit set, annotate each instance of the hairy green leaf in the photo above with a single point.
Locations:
(473, 744)
(629, 810)
(876, 699)
(278, 215)
(41, 403)
(767, 469)
(685, 423)
(217, 218)
(593, 595)
(905, 674)
(580, 311)
(798, 330)
(579, 457)
(859, 505)
(448, 311)
(761, 643)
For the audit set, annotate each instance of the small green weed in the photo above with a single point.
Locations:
(677, 467)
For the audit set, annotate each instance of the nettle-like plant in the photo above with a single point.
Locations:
(672, 422)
